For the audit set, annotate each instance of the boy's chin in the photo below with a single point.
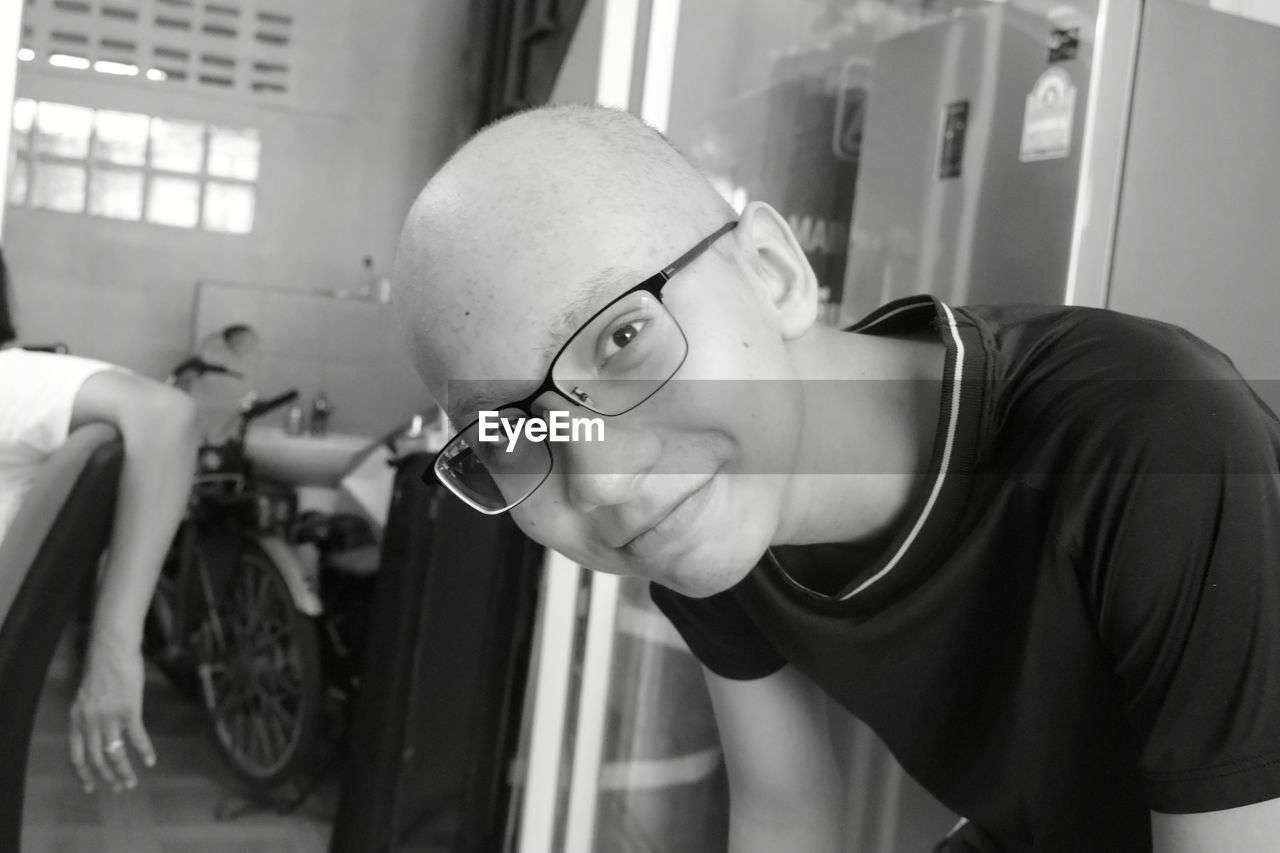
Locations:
(700, 580)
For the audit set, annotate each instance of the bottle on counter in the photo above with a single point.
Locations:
(320, 410)
(377, 282)
(293, 420)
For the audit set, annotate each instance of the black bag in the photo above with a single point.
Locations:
(436, 720)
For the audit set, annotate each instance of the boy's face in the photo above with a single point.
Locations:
(688, 487)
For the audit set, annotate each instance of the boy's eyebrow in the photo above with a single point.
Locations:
(594, 294)
(460, 410)
(464, 408)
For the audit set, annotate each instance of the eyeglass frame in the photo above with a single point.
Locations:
(652, 285)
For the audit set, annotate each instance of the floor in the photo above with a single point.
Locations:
(185, 804)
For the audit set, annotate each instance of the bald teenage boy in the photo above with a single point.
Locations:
(1036, 549)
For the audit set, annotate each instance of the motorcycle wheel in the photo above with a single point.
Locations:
(261, 678)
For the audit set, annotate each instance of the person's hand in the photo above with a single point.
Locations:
(106, 717)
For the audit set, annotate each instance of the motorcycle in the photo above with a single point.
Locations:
(260, 609)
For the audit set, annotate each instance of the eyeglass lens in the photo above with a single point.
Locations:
(486, 468)
(621, 357)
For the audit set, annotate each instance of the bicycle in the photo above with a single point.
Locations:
(226, 623)
(260, 610)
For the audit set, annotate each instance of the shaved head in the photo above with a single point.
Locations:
(569, 195)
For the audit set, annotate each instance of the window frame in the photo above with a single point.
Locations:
(27, 156)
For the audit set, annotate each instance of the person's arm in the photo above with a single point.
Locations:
(1246, 829)
(785, 791)
(157, 424)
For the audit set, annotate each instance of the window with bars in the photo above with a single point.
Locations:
(132, 166)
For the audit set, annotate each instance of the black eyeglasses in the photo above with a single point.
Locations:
(615, 361)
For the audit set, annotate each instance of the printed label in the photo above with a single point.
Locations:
(1046, 124)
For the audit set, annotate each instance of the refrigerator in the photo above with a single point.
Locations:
(971, 153)
(1132, 171)
(1108, 153)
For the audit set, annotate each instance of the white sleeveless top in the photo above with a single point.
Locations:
(37, 395)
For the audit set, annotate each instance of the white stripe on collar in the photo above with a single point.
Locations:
(953, 421)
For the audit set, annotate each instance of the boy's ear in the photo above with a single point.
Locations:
(776, 257)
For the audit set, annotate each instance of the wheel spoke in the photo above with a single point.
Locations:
(282, 683)
(229, 694)
(261, 738)
(239, 726)
(283, 735)
(235, 699)
(260, 611)
(278, 709)
(270, 637)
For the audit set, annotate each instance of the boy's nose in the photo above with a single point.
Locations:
(605, 472)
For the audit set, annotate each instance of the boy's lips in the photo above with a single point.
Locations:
(674, 520)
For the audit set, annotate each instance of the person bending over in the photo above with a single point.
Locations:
(1036, 549)
(43, 397)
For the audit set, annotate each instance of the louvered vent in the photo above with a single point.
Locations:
(230, 45)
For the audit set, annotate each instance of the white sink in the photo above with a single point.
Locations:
(302, 460)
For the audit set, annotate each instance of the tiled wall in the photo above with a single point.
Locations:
(349, 348)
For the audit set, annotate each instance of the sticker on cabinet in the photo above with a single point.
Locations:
(1046, 124)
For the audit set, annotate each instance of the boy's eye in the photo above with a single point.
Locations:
(625, 334)
(615, 344)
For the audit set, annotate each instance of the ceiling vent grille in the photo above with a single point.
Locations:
(240, 46)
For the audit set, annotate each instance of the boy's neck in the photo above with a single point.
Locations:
(869, 430)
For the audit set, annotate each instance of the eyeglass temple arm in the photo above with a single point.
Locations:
(684, 260)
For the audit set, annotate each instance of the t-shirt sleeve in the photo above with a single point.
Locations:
(1182, 566)
(720, 633)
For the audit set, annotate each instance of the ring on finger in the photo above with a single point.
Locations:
(114, 746)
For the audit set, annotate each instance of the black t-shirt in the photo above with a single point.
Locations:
(1079, 618)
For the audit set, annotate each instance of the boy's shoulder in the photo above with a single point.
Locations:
(1087, 390)
(1039, 342)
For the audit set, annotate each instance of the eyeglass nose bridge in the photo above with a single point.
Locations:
(575, 396)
